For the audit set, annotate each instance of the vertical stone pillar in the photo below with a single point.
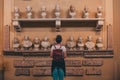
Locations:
(7, 38)
(109, 37)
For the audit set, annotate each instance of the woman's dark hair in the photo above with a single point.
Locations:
(58, 38)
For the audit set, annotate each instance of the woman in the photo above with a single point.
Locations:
(58, 53)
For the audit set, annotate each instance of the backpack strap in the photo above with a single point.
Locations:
(54, 46)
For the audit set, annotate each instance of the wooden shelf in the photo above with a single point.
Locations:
(26, 53)
(62, 19)
(58, 22)
(99, 54)
(84, 53)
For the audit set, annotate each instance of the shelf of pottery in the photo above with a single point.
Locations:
(57, 21)
(81, 47)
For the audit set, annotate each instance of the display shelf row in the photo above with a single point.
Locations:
(58, 23)
(82, 53)
(43, 13)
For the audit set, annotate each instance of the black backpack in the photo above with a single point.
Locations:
(58, 54)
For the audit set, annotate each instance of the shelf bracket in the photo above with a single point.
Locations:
(58, 25)
(99, 25)
(17, 26)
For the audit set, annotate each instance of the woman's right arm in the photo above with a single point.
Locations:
(65, 54)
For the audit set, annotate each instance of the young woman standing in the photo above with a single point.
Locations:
(58, 53)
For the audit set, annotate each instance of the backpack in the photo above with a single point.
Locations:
(58, 54)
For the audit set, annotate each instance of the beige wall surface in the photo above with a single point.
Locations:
(117, 37)
(1, 23)
(1, 34)
(108, 68)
